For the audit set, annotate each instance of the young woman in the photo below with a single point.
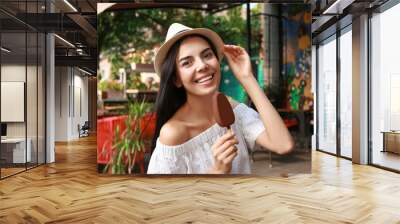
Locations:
(187, 139)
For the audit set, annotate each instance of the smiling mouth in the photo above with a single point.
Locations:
(205, 79)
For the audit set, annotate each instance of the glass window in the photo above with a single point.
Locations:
(327, 96)
(15, 150)
(346, 93)
(22, 89)
(385, 84)
(31, 99)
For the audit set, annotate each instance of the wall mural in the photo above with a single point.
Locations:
(297, 57)
(128, 85)
(230, 85)
(296, 67)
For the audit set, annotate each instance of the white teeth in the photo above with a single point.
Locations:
(205, 79)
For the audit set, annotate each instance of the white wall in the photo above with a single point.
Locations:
(61, 103)
(12, 73)
(82, 83)
(33, 126)
(71, 87)
(79, 112)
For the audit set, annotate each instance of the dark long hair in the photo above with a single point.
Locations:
(170, 98)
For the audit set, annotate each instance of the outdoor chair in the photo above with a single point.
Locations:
(84, 130)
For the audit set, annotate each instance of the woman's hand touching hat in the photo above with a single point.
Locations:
(239, 61)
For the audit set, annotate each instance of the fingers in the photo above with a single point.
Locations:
(224, 152)
(233, 50)
(228, 152)
(228, 55)
(230, 158)
(230, 52)
(229, 143)
(228, 135)
(227, 156)
(225, 146)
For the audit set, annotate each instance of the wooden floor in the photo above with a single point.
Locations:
(387, 159)
(10, 171)
(71, 191)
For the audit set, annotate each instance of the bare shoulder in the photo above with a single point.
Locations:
(173, 133)
(233, 102)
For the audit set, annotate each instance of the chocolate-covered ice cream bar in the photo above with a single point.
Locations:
(223, 112)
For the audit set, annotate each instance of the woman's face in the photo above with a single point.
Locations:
(198, 68)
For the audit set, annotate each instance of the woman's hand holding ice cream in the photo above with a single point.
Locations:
(224, 151)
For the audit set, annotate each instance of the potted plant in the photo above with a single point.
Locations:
(129, 145)
(115, 89)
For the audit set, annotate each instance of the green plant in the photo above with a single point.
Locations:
(105, 85)
(128, 147)
(114, 85)
(134, 82)
(144, 29)
(102, 85)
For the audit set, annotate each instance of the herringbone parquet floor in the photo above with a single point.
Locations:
(71, 191)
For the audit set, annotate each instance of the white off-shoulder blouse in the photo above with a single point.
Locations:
(195, 155)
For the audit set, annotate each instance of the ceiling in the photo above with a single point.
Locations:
(330, 15)
(76, 21)
(72, 20)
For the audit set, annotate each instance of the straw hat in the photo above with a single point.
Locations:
(175, 32)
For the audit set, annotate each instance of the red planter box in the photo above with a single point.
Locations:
(148, 125)
(290, 122)
(106, 133)
(105, 136)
